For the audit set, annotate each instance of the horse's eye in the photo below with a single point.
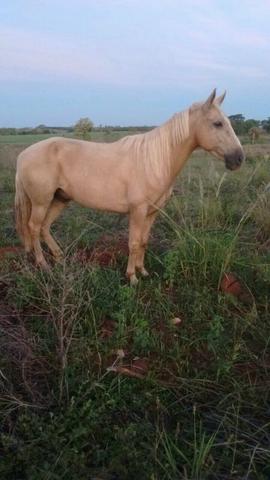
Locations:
(218, 124)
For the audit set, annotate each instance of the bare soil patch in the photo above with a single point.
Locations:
(106, 252)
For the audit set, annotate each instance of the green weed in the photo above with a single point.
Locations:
(200, 409)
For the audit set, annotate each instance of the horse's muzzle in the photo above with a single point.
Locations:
(234, 160)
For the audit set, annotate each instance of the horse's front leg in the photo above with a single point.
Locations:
(145, 237)
(146, 231)
(136, 223)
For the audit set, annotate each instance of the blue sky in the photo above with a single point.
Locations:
(130, 61)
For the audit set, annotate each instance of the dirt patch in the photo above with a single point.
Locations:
(106, 251)
(108, 328)
(13, 250)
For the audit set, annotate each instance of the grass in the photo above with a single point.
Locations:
(72, 403)
(96, 136)
(23, 139)
(28, 139)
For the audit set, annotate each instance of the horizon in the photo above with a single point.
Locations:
(102, 126)
(125, 62)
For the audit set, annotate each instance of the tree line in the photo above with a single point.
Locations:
(40, 129)
(84, 126)
(242, 126)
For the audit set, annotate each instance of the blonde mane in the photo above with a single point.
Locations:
(153, 150)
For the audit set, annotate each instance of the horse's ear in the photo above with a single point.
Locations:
(210, 99)
(220, 99)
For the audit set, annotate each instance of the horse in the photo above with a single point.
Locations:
(254, 133)
(134, 176)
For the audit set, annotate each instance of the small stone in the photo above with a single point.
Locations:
(120, 353)
(176, 321)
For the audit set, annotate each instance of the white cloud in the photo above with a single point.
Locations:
(180, 43)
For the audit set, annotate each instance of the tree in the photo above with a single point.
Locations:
(238, 117)
(242, 126)
(83, 127)
(266, 125)
(238, 123)
(251, 123)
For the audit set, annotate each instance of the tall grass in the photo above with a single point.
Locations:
(70, 403)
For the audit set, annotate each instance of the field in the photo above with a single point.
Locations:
(165, 381)
(28, 139)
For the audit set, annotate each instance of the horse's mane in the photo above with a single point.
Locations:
(153, 149)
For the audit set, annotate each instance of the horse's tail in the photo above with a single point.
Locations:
(22, 213)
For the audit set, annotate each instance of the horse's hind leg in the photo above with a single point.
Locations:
(36, 219)
(54, 211)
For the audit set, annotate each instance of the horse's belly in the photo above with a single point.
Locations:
(101, 198)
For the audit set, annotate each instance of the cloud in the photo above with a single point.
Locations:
(31, 54)
(133, 43)
(111, 53)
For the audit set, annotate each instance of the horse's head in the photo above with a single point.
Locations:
(214, 133)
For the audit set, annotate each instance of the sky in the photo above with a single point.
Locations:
(130, 62)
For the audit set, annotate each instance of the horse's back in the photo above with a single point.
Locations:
(59, 147)
(46, 153)
(44, 146)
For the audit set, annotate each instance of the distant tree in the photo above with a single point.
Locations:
(238, 117)
(251, 123)
(238, 123)
(43, 129)
(83, 127)
(242, 126)
(266, 125)
(8, 131)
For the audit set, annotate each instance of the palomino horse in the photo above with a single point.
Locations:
(133, 175)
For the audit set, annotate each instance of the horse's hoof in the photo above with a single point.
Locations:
(43, 266)
(144, 272)
(58, 258)
(133, 280)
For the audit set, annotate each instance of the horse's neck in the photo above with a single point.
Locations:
(180, 140)
(179, 149)
(166, 149)
(180, 154)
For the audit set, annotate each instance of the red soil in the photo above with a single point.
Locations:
(105, 252)
(5, 250)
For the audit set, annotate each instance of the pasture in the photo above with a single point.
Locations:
(165, 381)
(96, 136)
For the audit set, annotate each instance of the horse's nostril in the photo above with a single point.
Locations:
(240, 159)
(234, 160)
